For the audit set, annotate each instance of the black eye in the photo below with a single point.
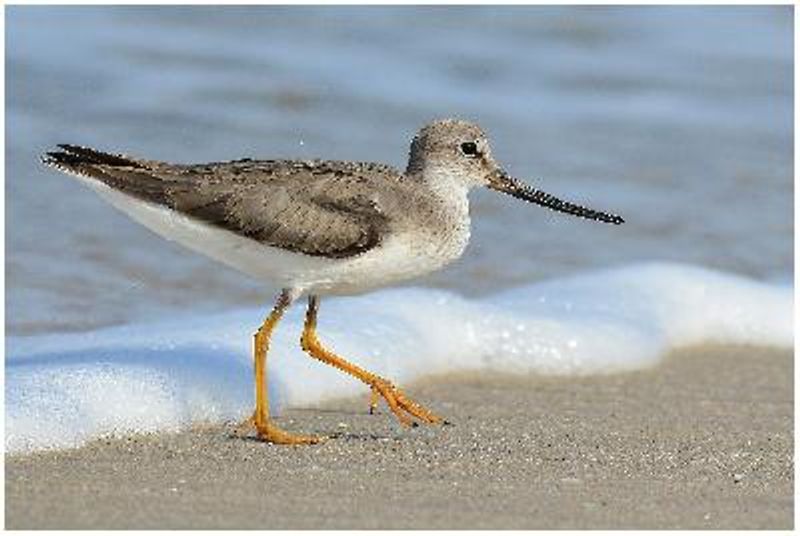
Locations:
(470, 149)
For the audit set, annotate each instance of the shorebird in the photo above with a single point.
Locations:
(316, 228)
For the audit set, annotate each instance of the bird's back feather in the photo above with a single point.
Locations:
(319, 208)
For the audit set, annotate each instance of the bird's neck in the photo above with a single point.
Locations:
(450, 196)
(443, 183)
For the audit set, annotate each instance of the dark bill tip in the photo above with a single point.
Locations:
(502, 182)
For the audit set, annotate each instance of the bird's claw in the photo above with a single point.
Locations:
(269, 432)
(400, 404)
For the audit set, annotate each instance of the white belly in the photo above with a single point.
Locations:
(398, 258)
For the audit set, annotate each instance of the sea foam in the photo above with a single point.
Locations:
(62, 390)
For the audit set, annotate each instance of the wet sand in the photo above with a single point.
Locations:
(704, 440)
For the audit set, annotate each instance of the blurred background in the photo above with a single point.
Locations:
(680, 119)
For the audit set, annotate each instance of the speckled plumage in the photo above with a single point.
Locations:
(310, 207)
(351, 212)
(316, 227)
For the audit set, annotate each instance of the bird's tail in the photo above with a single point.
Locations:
(145, 179)
(83, 160)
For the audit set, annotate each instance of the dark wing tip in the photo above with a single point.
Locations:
(78, 155)
(69, 147)
(58, 158)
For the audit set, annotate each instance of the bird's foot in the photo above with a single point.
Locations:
(400, 404)
(269, 432)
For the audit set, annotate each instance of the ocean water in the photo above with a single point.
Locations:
(677, 118)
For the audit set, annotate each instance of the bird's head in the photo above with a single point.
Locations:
(459, 150)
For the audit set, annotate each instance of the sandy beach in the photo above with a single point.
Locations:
(704, 440)
(654, 113)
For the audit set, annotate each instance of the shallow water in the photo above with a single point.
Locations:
(680, 119)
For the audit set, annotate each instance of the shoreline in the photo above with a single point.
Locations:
(702, 440)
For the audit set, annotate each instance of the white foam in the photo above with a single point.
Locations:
(63, 390)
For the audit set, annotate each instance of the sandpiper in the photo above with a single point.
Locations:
(316, 227)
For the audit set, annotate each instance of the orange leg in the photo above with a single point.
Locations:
(399, 403)
(265, 429)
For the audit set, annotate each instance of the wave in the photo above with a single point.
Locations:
(63, 390)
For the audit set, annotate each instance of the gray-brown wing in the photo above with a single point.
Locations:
(316, 208)
(311, 208)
